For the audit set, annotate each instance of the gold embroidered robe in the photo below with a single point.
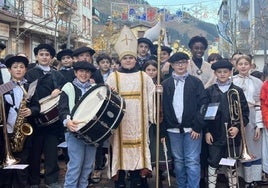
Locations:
(130, 142)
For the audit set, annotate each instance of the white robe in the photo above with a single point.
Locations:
(130, 142)
(252, 89)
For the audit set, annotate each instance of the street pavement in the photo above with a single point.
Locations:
(108, 183)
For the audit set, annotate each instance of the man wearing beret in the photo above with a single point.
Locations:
(216, 126)
(144, 47)
(45, 138)
(180, 99)
(81, 155)
(66, 62)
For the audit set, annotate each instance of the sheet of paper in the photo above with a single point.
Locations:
(62, 145)
(211, 111)
(17, 166)
(227, 161)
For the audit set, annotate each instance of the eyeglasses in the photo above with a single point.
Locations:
(181, 62)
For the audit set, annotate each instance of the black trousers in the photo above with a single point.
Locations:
(44, 141)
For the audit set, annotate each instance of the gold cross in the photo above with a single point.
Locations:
(126, 39)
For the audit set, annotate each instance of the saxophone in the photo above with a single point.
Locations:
(22, 129)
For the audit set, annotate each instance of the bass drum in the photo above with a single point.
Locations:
(99, 112)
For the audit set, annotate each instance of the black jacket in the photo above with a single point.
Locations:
(193, 89)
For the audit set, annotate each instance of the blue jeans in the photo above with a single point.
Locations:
(80, 165)
(186, 153)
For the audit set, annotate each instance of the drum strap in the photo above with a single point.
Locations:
(68, 88)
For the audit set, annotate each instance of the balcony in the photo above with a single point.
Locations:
(244, 26)
(243, 5)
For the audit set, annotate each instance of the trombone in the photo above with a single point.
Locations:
(236, 117)
(9, 159)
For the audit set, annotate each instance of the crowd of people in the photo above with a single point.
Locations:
(209, 110)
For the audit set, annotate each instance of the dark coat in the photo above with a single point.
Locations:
(216, 127)
(193, 89)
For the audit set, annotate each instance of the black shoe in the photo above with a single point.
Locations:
(119, 184)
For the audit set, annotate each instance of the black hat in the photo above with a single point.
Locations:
(48, 47)
(222, 64)
(66, 52)
(178, 56)
(14, 59)
(166, 48)
(83, 49)
(163, 48)
(147, 41)
(84, 65)
(2, 46)
(196, 39)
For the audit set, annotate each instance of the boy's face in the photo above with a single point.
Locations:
(222, 74)
(84, 57)
(128, 62)
(17, 70)
(66, 61)
(180, 67)
(43, 57)
(104, 65)
(82, 75)
(164, 56)
(143, 49)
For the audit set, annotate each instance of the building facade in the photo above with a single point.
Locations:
(62, 23)
(243, 26)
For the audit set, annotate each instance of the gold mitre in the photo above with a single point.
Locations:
(126, 43)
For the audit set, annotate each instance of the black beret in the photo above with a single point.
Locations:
(178, 56)
(196, 39)
(222, 64)
(166, 48)
(14, 59)
(84, 65)
(163, 48)
(83, 49)
(48, 47)
(147, 41)
(2, 46)
(65, 52)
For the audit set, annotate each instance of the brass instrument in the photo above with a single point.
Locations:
(9, 160)
(22, 129)
(237, 117)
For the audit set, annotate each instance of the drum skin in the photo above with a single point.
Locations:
(100, 112)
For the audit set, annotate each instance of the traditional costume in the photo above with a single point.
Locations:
(130, 142)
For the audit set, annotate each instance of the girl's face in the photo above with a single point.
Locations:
(243, 67)
(83, 75)
(17, 70)
(151, 71)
